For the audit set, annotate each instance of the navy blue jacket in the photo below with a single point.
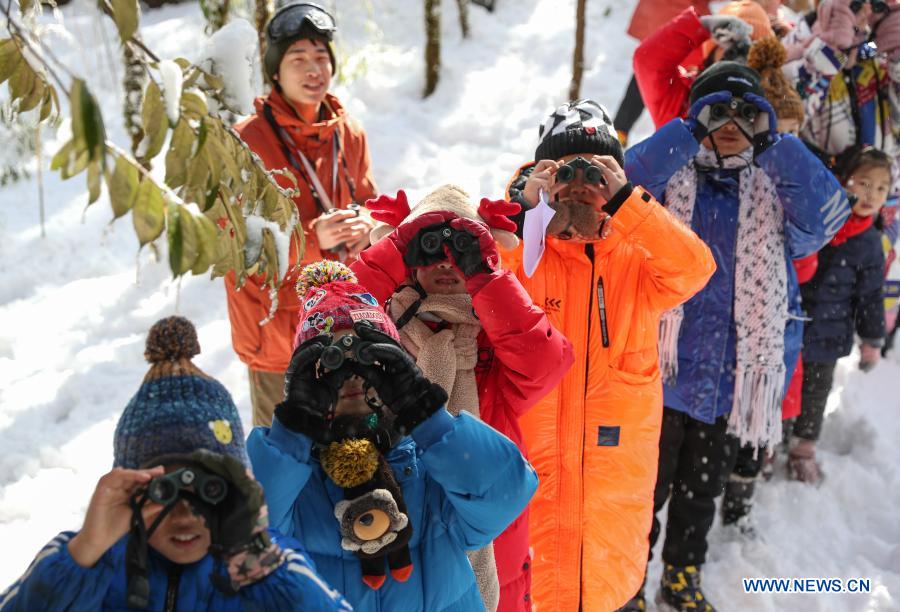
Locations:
(815, 207)
(463, 483)
(844, 296)
(55, 582)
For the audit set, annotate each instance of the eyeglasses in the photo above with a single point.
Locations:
(592, 174)
(734, 109)
(289, 19)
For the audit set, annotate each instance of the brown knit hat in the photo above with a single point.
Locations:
(767, 56)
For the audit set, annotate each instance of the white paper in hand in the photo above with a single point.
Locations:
(534, 233)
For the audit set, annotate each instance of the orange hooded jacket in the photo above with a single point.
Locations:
(594, 440)
(268, 347)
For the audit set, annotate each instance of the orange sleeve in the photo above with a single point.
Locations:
(677, 263)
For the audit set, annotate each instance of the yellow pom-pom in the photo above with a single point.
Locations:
(350, 463)
(322, 273)
(767, 53)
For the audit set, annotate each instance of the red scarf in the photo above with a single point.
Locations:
(854, 225)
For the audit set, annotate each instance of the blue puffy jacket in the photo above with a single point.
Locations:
(845, 296)
(463, 483)
(815, 207)
(55, 582)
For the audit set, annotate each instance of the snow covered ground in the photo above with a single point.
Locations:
(73, 318)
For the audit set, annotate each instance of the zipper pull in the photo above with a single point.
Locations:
(601, 304)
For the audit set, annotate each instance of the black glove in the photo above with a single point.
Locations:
(237, 521)
(310, 397)
(398, 381)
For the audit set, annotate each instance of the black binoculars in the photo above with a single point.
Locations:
(736, 108)
(433, 241)
(333, 356)
(592, 174)
(165, 489)
(878, 6)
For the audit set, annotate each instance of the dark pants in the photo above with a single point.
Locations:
(695, 459)
(817, 380)
(738, 500)
(630, 108)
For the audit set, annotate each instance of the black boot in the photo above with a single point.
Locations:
(736, 505)
(680, 590)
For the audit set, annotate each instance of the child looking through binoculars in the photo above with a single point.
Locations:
(453, 482)
(179, 522)
(472, 329)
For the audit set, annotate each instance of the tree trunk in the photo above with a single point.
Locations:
(262, 19)
(463, 6)
(432, 45)
(578, 57)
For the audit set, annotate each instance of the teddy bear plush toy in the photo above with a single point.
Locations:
(373, 518)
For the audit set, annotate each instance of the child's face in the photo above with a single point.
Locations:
(728, 140)
(352, 395)
(789, 126)
(182, 537)
(870, 184)
(442, 278)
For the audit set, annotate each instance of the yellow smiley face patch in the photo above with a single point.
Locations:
(222, 431)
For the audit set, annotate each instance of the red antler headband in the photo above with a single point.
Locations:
(496, 213)
(389, 210)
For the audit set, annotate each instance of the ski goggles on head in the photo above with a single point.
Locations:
(288, 20)
(592, 174)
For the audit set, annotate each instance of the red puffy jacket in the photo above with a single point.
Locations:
(666, 64)
(521, 358)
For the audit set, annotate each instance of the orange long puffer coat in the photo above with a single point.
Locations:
(594, 439)
(268, 347)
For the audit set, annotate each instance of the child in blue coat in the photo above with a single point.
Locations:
(758, 199)
(179, 523)
(844, 297)
(453, 484)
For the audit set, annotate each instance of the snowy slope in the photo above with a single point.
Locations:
(73, 318)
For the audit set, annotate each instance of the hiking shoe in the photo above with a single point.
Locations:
(680, 590)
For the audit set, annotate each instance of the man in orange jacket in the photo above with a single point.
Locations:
(614, 261)
(299, 126)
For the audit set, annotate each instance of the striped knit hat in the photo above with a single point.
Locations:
(578, 127)
(178, 409)
(332, 299)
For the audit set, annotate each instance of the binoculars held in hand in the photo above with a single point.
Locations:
(165, 489)
(592, 174)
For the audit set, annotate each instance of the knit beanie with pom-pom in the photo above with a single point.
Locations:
(332, 299)
(767, 56)
(178, 409)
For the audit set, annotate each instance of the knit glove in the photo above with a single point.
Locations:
(887, 36)
(398, 381)
(309, 398)
(726, 30)
(409, 236)
(765, 125)
(699, 120)
(481, 255)
(237, 524)
(869, 356)
(835, 23)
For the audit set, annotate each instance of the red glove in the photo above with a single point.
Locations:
(410, 229)
(481, 255)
